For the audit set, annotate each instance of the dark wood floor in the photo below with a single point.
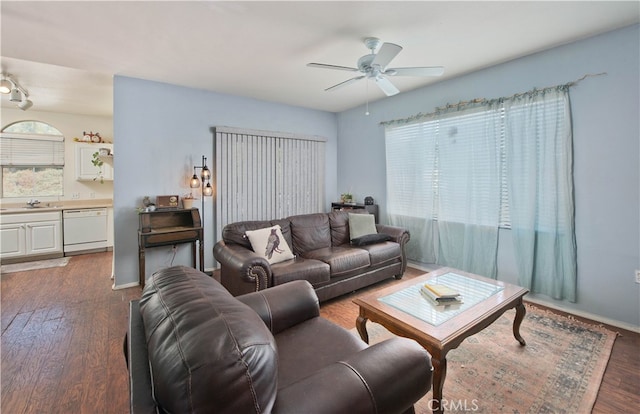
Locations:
(62, 331)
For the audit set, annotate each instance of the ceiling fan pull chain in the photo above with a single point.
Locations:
(366, 92)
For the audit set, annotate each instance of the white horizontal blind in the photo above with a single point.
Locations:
(449, 168)
(31, 150)
(412, 177)
(264, 175)
(469, 167)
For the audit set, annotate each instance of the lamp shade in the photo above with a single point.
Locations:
(206, 173)
(207, 190)
(194, 182)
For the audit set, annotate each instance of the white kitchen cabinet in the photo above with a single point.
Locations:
(12, 240)
(85, 170)
(31, 234)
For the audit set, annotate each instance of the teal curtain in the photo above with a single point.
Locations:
(540, 183)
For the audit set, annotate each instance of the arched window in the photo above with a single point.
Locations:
(32, 160)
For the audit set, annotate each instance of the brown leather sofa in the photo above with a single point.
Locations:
(192, 347)
(323, 256)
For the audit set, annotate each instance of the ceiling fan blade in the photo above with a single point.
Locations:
(424, 71)
(324, 66)
(387, 87)
(345, 83)
(386, 54)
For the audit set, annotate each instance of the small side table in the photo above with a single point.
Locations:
(169, 227)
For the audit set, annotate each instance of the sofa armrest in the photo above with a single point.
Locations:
(241, 267)
(398, 234)
(284, 306)
(140, 389)
(388, 377)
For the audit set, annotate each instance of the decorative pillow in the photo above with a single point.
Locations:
(361, 225)
(270, 244)
(370, 239)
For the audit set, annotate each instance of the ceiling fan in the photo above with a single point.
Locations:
(374, 66)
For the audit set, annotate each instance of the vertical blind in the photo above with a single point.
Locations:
(264, 175)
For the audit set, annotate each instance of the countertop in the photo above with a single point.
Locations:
(12, 208)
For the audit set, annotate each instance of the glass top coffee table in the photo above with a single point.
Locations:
(402, 310)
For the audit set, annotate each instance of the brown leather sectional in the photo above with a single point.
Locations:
(192, 347)
(323, 253)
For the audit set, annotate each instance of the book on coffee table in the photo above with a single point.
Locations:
(445, 295)
(441, 303)
(441, 291)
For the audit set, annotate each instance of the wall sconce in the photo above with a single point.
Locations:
(203, 182)
(17, 93)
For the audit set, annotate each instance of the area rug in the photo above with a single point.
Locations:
(558, 371)
(39, 264)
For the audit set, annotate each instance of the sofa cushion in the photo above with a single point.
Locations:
(361, 225)
(236, 233)
(339, 223)
(341, 260)
(270, 244)
(298, 349)
(300, 268)
(194, 368)
(384, 252)
(310, 232)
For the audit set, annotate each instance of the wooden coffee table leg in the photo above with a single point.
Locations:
(361, 325)
(520, 312)
(439, 374)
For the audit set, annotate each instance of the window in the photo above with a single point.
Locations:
(32, 160)
(454, 177)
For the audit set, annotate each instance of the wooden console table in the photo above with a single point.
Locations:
(169, 227)
(371, 208)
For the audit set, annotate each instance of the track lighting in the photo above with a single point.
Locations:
(5, 86)
(25, 104)
(17, 93)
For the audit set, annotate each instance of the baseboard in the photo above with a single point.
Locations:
(586, 315)
(125, 286)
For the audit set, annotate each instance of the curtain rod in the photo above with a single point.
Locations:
(461, 104)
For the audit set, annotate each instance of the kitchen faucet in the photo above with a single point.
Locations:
(32, 203)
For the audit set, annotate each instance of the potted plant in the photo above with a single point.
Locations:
(187, 201)
(97, 162)
(346, 198)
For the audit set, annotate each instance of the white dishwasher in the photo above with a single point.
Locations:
(84, 229)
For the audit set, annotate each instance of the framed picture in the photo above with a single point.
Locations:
(167, 201)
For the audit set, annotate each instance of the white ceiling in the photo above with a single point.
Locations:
(66, 53)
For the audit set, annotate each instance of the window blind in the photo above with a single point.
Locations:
(31, 150)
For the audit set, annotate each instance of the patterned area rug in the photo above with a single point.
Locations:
(558, 371)
(40, 264)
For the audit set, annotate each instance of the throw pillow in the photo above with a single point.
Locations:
(361, 225)
(370, 239)
(270, 244)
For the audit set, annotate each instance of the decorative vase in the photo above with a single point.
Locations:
(187, 202)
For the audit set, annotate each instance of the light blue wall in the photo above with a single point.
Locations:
(161, 131)
(606, 156)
